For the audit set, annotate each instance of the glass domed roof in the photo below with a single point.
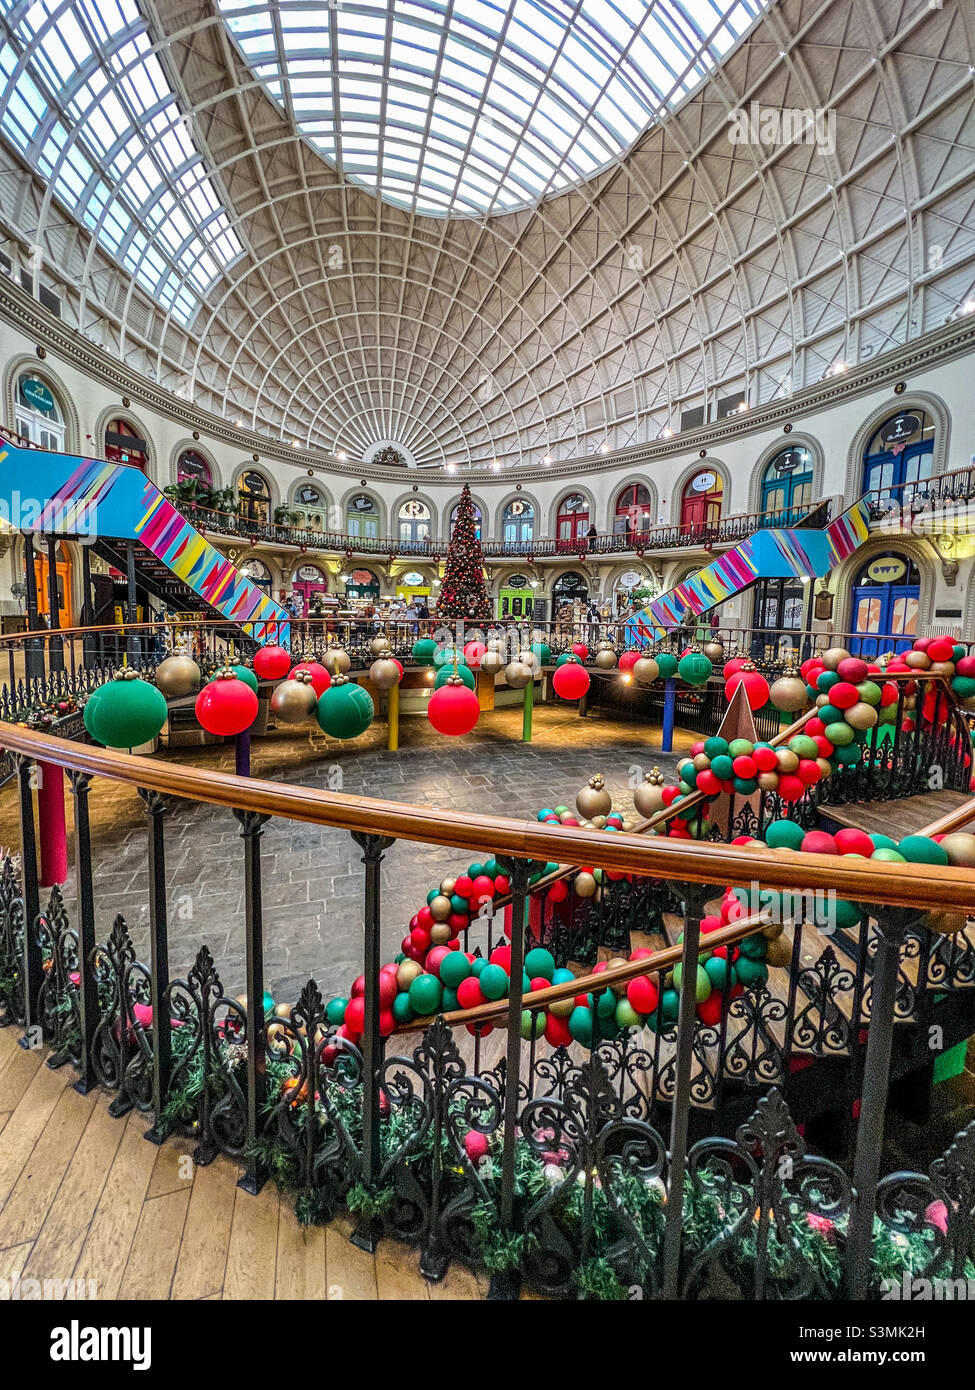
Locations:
(467, 107)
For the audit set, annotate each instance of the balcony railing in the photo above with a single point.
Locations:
(728, 531)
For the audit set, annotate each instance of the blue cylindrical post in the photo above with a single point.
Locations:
(670, 704)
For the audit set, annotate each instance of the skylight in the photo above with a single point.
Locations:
(498, 103)
(90, 105)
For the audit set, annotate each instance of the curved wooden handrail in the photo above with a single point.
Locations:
(951, 820)
(663, 959)
(903, 885)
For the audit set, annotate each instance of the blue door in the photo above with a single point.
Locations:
(884, 617)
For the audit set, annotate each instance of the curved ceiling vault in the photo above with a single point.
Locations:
(629, 281)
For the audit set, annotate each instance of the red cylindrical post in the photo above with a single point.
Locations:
(50, 816)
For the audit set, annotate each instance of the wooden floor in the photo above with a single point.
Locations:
(85, 1196)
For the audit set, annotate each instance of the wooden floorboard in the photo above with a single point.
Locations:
(907, 816)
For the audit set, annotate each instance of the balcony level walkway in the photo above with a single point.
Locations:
(84, 1196)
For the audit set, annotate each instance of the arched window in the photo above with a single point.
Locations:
(362, 517)
(362, 585)
(258, 573)
(40, 417)
(572, 521)
(569, 588)
(414, 521)
(632, 510)
(886, 596)
(518, 521)
(254, 497)
(308, 587)
(477, 518)
(787, 485)
(192, 467)
(310, 505)
(700, 503)
(899, 457)
(124, 444)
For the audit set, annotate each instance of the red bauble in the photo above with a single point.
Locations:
(432, 963)
(473, 651)
(355, 1015)
(733, 666)
(558, 892)
(765, 759)
(320, 678)
(557, 1029)
(852, 669)
(809, 772)
(756, 687)
(941, 649)
(818, 842)
(628, 660)
(482, 887)
(469, 993)
(226, 706)
(710, 1011)
(790, 787)
(850, 841)
(453, 710)
(708, 783)
(570, 681)
(271, 663)
(843, 695)
(642, 994)
(745, 766)
(580, 650)
(501, 955)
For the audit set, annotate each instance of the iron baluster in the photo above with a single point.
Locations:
(251, 829)
(87, 987)
(373, 849)
(162, 1040)
(33, 969)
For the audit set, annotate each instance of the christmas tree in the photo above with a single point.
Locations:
(462, 593)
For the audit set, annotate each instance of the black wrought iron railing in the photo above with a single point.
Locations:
(650, 1161)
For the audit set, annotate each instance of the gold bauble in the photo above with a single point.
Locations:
(606, 659)
(789, 694)
(786, 760)
(384, 673)
(645, 671)
(861, 715)
(440, 934)
(406, 973)
(648, 799)
(517, 674)
(242, 1001)
(832, 657)
(277, 1038)
(825, 766)
(941, 668)
(773, 931)
(491, 662)
(714, 651)
(968, 704)
(821, 700)
(378, 645)
(599, 822)
(447, 885)
(960, 849)
(584, 884)
(617, 986)
(779, 952)
(282, 1010)
(593, 799)
(562, 1008)
(293, 701)
(918, 661)
(336, 661)
(701, 761)
(440, 907)
(944, 921)
(178, 676)
(529, 658)
(767, 781)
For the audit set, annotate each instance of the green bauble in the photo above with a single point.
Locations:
(465, 673)
(626, 1015)
(448, 1000)
(870, 692)
(424, 650)
(848, 914)
(848, 755)
(750, 972)
(804, 747)
(494, 982)
(888, 856)
(580, 1025)
(669, 1005)
(666, 664)
(918, 849)
(744, 786)
(345, 710)
(717, 971)
(565, 658)
(784, 834)
(606, 1005)
(714, 747)
(882, 841)
(840, 734)
(723, 766)
(446, 656)
(243, 673)
(754, 947)
(741, 748)
(128, 711)
(425, 995)
(963, 686)
(695, 668)
(402, 1008)
(829, 714)
(544, 653)
(532, 1024)
(540, 963)
(453, 968)
(335, 1009)
(459, 904)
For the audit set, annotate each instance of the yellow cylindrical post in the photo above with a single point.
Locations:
(526, 718)
(392, 716)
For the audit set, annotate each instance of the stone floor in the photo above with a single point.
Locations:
(313, 877)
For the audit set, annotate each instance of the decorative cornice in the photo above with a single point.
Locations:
(945, 344)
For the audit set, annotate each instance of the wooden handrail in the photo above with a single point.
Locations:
(903, 885)
(951, 820)
(663, 959)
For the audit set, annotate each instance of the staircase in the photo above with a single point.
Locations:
(155, 577)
